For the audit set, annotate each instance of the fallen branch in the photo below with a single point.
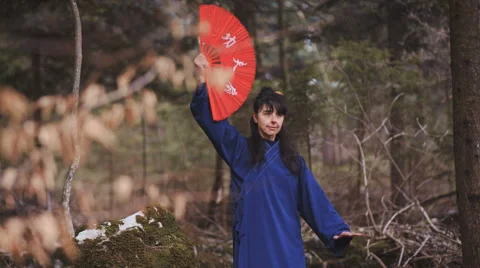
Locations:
(416, 252)
(395, 215)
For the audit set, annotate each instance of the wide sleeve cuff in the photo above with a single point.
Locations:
(338, 246)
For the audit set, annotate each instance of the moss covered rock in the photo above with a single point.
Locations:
(148, 238)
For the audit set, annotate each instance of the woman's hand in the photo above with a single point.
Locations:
(347, 234)
(200, 63)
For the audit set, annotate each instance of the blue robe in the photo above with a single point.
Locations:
(269, 199)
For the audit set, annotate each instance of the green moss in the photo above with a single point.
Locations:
(159, 243)
(111, 227)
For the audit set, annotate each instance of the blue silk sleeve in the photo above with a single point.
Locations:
(225, 138)
(319, 213)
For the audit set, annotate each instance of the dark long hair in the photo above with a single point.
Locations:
(273, 101)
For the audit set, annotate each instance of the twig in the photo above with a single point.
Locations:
(223, 231)
(135, 86)
(67, 188)
(366, 116)
(402, 251)
(371, 254)
(382, 125)
(365, 180)
(378, 260)
(435, 198)
(395, 215)
(418, 250)
(427, 217)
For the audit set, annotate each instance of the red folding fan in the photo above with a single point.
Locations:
(227, 46)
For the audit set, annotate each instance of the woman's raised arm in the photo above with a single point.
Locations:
(225, 138)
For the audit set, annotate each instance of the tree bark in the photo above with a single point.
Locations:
(67, 187)
(144, 157)
(281, 46)
(397, 29)
(216, 189)
(245, 11)
(465, 66)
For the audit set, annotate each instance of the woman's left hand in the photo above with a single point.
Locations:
(348, 234)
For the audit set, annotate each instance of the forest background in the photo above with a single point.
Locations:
(370, 95)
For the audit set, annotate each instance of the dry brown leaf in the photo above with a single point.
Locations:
(191, 82)
(149, 101)
(132, 112)
(94, 129)
(66, 136)
(68, 244)
(149, 98)
(85, 198)
(122, 188)
(8, 178)
(164, 201)
(148, 60)
(114, 116)
(177, 28)
(14, 141)
(153, 193)
(30, 129)
(150, 115)
(60, 105)
(46, 105)
(35, 248)
(188, 66)
(48, 168)
(45, 226)
(24, 142)
(9, 202)
(13, 240)
(37, 188)
(93, 94)
(180, 201)
(13, 104)
(49, 136)
(165, 67)
(123, 80)
(178, 78)
(7, 143)
(69, 103)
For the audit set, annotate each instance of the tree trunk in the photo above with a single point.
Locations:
(465, 65)
(245, 11)
(144, 157)
(37, 75)
(216, 193)
(281, 45)
(397, 29)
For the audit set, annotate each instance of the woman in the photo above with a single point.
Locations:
(271, 186)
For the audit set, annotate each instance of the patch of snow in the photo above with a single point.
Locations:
(89, 234)
(128, 223)
(131, 222)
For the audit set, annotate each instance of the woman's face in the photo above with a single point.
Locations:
(269, 122)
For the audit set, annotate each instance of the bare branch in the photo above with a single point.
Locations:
(67, 188)
(135, 86)
(418, 250)
(395, 215)
(365, 180)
